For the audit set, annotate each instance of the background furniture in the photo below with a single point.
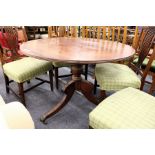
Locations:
(14, 116)
(126, 109)
(146, 60)
(36, 32)
(20, 69)
(112, 76)
(113, 33)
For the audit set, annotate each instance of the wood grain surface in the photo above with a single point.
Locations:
(77, 50)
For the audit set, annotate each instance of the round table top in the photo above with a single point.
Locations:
(77, 50)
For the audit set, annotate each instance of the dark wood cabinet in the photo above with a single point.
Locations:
(35, 32)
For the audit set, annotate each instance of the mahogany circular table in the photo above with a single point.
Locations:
(76, 51)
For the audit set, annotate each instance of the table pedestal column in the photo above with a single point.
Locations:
(77, 83)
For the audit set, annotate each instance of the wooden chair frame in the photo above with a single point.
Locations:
(114, 33)
(147, 38)
(12, 42)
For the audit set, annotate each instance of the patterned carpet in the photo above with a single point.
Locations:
(73, 116)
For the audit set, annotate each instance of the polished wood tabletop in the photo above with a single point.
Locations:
(77, 50)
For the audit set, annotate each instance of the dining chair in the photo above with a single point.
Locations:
(14, 115)
(32, 32)
(150, 73)
(20, 69)
(113, 33)
(128, 108)
(113, 76)
(144, 64)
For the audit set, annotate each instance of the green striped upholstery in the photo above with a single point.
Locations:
(1, 101)
(26, 68)
(128, 108)
(60, 64)
(152, 69)
(112, 76)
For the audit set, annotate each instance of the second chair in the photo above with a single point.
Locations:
(112, 76)
(20, 69)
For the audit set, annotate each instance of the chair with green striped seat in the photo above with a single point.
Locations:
(112, 76)
(122, 34)
(127, 108)
(20, 69)
(113, 33)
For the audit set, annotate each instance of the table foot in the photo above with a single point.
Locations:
(69, 91)
(43, 119)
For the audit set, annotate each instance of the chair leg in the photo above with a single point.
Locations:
(21, 93)
(28, 82)
(51, 79)
(152, 88)
(102, 95)
(95, 86)
(86, 71)
(6, 83)
(56, 77)
(90, 127)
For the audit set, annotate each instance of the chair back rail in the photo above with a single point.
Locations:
(62, 31)
(52, 31)
(146, 40)
(145, 44)
(22, 36)
(135, 39)
(10, 36)
(73, 31)
(114, 33)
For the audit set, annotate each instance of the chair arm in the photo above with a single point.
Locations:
(15, 116)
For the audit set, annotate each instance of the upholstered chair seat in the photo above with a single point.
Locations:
(1, 101)
(14, 116)
(26, 69)
(111, 76)
(127, 108)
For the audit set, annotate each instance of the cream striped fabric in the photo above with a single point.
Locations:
(26, 68)
(112, 76)
(128, 108)
(15, 116)
(1, 101)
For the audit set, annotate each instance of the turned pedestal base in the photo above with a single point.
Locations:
(77, 83)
